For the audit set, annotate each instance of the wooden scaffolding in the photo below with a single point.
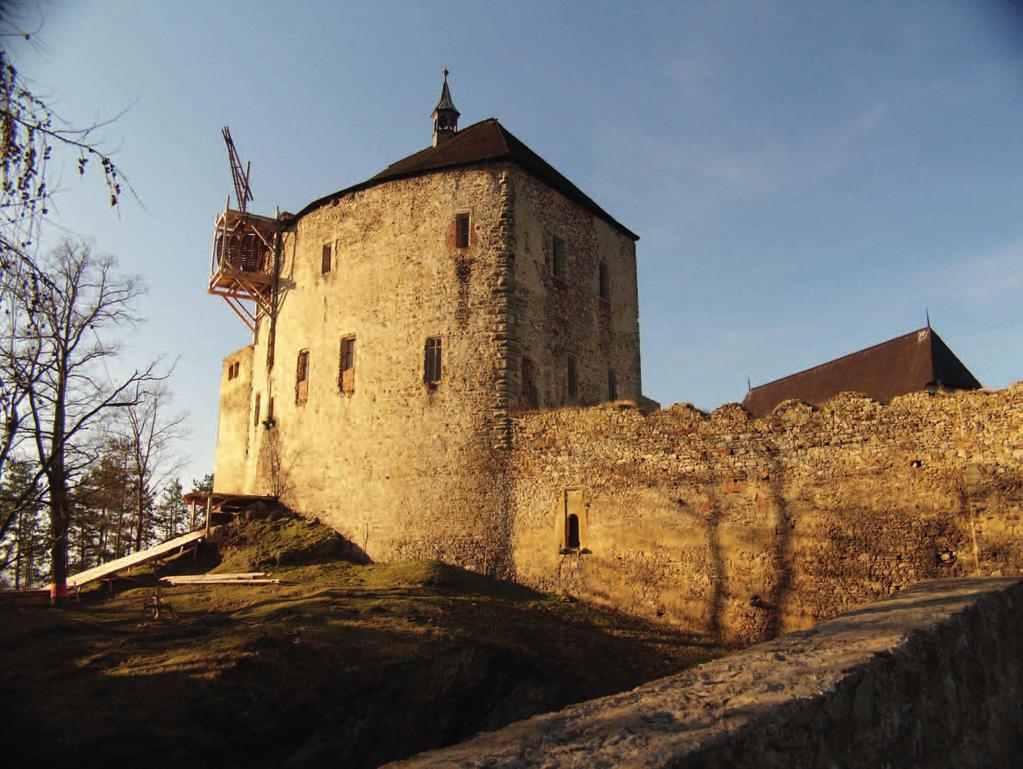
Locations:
(242, 268)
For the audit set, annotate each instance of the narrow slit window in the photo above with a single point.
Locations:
(325, 259)
(529, 392)
(604, 281)
(255, 413)
(558, 258)
(573, 379)
(346, 375)
(432, 369)
(572, 531)
(302, 377)
(462, 231)
(612, 386)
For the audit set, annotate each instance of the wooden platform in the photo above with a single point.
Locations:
(220, 502)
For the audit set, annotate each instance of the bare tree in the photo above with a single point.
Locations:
(77, 303)
(150, 432)
(273, 464)
(32, 136)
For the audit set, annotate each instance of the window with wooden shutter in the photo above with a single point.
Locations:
(302, 377)
(346, 374)
(462, 231)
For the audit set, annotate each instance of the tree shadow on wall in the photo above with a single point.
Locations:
(718, 577)
(781, 552)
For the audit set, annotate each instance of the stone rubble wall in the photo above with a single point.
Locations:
(931, 677)
(746, 528)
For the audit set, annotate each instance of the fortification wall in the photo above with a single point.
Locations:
(400, 468)
(745, 528)
(560, 316)
(929, 678)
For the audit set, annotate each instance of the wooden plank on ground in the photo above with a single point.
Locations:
(135, 559)
(200, 581)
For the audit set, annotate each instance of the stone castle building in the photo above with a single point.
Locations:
(446, 364)
(404, 319)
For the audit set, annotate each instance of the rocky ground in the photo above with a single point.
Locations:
(343, 664)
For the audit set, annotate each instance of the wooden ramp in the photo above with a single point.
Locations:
(110, 568)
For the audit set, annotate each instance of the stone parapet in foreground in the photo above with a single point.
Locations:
(930, 677)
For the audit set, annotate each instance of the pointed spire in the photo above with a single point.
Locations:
(445, 97)
(445, 116)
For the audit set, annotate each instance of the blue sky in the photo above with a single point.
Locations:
(806, 178)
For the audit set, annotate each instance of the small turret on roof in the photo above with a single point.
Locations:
(445, 116)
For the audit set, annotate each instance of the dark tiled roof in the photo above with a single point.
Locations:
(483, 142)
(909, 363)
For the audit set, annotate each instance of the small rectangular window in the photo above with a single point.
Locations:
(604, 283)
(302, 377)
(573, 381)
(325, 259)
(558, 258)
(612, 386)
(462, 231)
(346, 375)
(255, 413)
(432, 369)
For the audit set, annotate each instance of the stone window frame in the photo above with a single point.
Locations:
(567, 544)
(346, 373)
(463, 230)
(302, 377)
(433, 362)
(326, 259)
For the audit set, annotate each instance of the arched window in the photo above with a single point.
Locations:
(572, 531)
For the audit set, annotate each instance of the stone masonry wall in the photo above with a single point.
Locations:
(931, 677)
(555, 317)
(745, 527)
(402, 469)
(233, 421)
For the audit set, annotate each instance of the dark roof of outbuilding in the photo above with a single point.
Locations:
(909, 363)
(484, 142)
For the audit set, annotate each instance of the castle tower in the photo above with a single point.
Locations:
(412, 316)
(445, 116)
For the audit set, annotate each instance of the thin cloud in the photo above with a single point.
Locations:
(985, 279)
(778, 163)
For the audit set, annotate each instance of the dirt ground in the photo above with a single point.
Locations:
(343, 664)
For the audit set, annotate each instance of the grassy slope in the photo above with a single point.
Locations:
(341, 665)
